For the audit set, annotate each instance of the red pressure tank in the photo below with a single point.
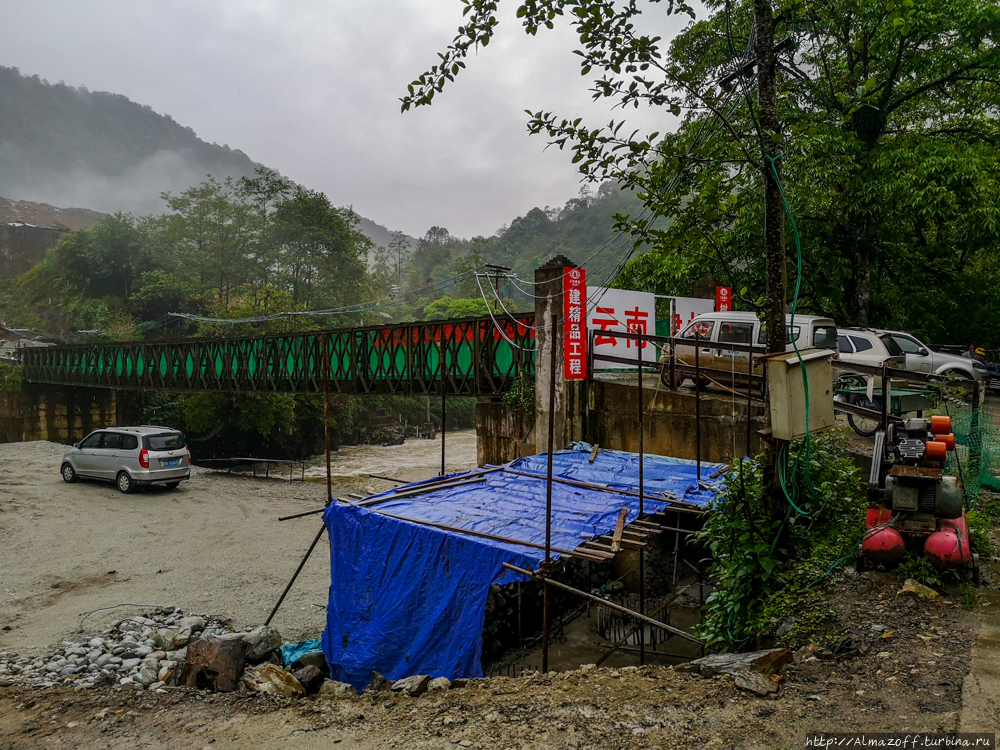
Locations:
(883, 545)
(948, 547)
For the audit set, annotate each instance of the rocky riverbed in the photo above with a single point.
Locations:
(138, 653)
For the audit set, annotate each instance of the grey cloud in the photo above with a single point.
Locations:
(311, 89)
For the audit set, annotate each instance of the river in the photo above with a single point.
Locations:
(415, 459)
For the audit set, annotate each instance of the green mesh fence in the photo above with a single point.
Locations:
(977, 446)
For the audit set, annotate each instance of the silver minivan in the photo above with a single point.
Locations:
(130, 457)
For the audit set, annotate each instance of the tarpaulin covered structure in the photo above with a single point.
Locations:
(409, 598)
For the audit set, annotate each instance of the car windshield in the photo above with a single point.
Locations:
(791, 334)
(825, 337)
(891, 345)
(907, 345)
(168, 441)
(703, 328)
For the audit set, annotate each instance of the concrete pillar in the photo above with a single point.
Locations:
(570, 401)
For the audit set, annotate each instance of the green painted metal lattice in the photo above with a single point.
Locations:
(479, 360)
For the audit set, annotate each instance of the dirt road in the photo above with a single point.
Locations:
(213, 545)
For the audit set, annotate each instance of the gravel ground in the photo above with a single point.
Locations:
(212, 545)
(215, 546)
(907, 676)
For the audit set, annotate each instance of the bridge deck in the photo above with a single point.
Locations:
(481, 357)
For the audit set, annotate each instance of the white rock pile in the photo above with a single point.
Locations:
(139, 653)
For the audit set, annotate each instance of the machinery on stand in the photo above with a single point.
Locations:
(913, 504)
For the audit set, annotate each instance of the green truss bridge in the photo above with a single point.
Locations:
(472, 356)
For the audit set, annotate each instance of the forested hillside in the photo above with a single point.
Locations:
(73, 147)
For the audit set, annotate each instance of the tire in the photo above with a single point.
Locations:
(864, 426)
(125, 483)
(172, 485)
(69, 474)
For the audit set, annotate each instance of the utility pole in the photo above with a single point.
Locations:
(774, 218)
(496, 273)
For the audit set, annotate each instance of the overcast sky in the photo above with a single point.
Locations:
(311, 88)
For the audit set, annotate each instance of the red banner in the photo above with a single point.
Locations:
(575, 323)
(723, 299)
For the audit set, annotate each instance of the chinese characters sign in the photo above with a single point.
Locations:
(575, 323)
(723, 299)
(621, 310)
(687, 309)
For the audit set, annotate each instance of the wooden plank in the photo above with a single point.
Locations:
(616, 539)
(630, 542)
(593, 453)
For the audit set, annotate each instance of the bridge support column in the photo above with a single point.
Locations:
(62, 414)
(571, 396)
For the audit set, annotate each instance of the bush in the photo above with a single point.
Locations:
(760, 583)
(10, 378)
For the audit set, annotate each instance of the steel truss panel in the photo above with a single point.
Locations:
(472, 356)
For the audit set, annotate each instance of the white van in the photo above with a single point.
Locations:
(809, 332)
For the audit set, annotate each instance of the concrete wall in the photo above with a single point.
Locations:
(670, 422)
(499, 432)
(610, 418)
(56, 413)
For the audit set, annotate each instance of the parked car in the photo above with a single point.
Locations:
(809, 331)
(130, 457)
(921, 358)
(865, 346)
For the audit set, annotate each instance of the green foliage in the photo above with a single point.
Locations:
(448, 307)
(980, 528)
(888, 138)
(522, 395)
(969, 595)
(10, 378)
(761, 582)
(230, 248)
(920, 569)
(259, 413)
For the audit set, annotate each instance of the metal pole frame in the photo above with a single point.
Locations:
(548, 483)
(326, 416)
(642, 554)
(444, 402)
(697, 402)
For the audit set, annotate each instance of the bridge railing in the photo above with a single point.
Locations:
(478, 356)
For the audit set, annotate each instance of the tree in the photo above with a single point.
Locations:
(321, 253)
(213, 231)
(862, 108)
(633, 71)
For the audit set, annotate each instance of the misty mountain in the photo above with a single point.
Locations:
(68, 146)
(72, 147)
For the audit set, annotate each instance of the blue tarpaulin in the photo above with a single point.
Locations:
(410, 599)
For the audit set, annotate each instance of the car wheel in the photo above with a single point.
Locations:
(172, 485)
(125, 483)
(68, 473)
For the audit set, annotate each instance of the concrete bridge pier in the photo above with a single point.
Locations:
(62, 414)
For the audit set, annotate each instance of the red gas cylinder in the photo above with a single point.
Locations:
(948, 547)
(882, 545)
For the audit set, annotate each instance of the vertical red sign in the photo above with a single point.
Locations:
(723, 299)
(575, 323)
